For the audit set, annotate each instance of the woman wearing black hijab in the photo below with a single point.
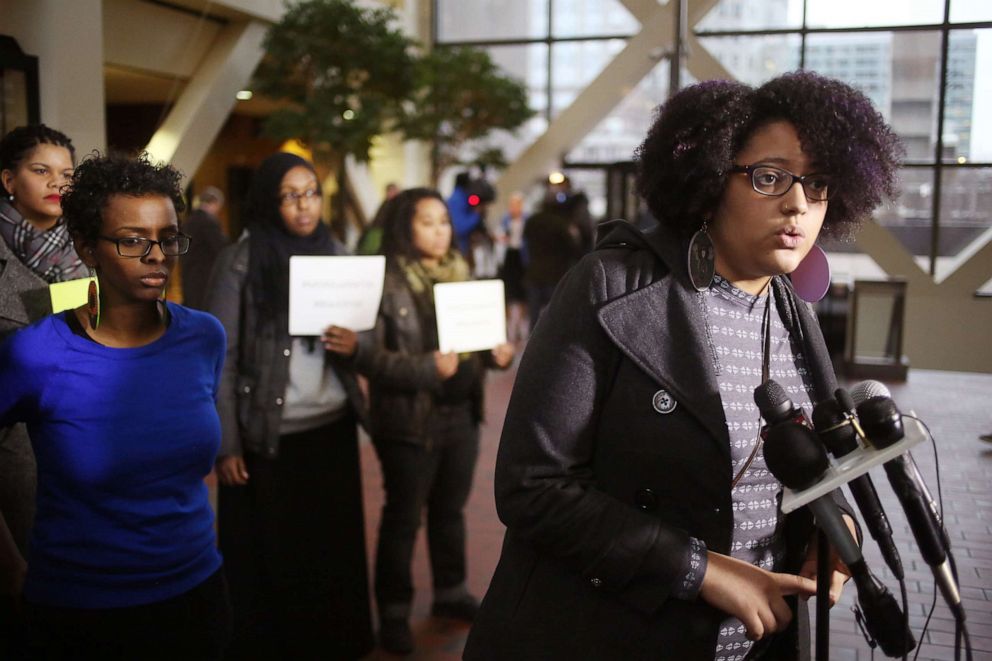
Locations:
(290, 504)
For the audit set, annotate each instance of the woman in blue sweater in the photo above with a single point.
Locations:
(118, 397)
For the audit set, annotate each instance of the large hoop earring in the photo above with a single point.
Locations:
(93, 301)
(811, 279)
(701, 259)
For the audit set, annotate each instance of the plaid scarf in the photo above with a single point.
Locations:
(49, 254)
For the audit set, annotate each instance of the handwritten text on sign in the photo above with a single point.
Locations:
(339, 291)
(471, 316)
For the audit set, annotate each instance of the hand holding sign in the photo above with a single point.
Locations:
(342, 341)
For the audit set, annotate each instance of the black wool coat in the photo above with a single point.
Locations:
(599, 491)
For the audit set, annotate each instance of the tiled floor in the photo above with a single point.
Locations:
(958, 409)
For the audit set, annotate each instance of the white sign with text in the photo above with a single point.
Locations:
(339, 291)
(471, 316)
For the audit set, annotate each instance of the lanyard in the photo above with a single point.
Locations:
(766, 345)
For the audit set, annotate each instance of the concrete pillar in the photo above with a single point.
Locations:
(67, 38)
(201, 110)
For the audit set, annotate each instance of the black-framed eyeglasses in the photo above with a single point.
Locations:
(136, 246)
(776, 182)
(292, 197)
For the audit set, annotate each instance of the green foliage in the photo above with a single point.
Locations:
(490, 157)
(343, 71)
(461, 95)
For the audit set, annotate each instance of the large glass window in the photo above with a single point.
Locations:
(965, 216)
(528, 63)
(585, 18)
(753, 15)
(893, 52)
(573, 66)
(898, 71)
(909, 217)
(967, 134)
(465, 20)
(858, 13)
(966, 11)
(617, 136)
(754, 60)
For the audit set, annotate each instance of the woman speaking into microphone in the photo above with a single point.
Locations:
(642, 522)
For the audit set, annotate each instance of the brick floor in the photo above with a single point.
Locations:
(958, 409)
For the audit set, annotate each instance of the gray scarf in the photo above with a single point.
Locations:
(49, 254)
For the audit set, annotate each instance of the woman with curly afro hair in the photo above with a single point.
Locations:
(118, 397)
(642, 520)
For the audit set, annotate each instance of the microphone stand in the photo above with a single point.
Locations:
(824, 572)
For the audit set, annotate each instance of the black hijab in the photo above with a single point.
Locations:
(271, 244)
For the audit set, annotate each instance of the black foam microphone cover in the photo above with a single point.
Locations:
(773, 402)
(795, 455)
(881, 421)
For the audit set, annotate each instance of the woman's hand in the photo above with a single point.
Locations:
(503, 354)
(841, 573)
(341, 341)
(751, 594)
(446, 364)
(231, 471)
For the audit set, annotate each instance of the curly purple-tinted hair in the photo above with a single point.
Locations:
(690, 147)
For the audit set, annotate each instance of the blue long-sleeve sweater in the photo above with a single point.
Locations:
(123, 440)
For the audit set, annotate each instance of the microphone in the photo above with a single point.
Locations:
(776, 407)
(881, 420)
(795, 456)
(878, 414)
(838, 429)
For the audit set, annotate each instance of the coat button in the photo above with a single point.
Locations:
(646, 500)
(247, 389)
(596, 582)
(286, 352)
(663, 402)
(278, 401)
(403, 312)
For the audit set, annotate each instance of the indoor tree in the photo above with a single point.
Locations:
(342, 72)
(461, 95)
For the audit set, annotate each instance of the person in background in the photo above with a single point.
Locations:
(392, 190)
(426, 407)
(35, 163)
(118, 398)
(464, 218)
(208, 239)
(642, 520)
(511, 240)
(35, 250)
(553, 247)
(371, 241)
(290, 516)
(482, 246)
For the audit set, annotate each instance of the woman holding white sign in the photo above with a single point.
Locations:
(425, 412)
(290, 514)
